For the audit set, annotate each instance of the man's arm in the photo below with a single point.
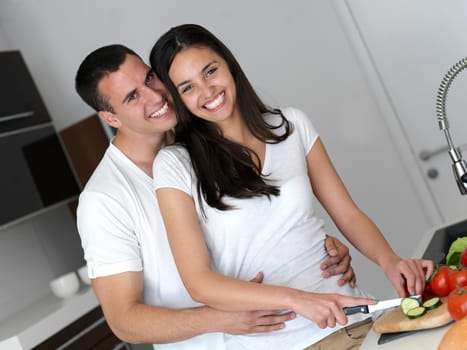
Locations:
(133, 321)
(338, 262)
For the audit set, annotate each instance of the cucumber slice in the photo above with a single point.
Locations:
(409, 304)
(416, 312)
(432, 303)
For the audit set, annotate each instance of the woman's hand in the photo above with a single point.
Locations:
(326, 309)
(338, 262)
(408, 276)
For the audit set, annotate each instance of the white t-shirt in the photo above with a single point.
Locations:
(122, 230)
(280, 236)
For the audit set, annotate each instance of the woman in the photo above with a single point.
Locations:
(236, 196)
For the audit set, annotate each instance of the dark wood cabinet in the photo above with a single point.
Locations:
(91, 331)
(85, 142)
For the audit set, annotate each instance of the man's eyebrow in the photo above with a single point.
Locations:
(127, 96)
(149, 73)
(132, 92)
(202, 70)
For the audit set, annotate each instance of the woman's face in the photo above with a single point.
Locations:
(205, 84)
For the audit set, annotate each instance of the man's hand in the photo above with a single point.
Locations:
(245, 322)
(338, 262)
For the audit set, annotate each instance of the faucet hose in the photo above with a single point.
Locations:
(441, 105)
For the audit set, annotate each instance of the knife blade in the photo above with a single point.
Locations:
(381, 305)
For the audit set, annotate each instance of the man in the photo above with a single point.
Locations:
(129, 260)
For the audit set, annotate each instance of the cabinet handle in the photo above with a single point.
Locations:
(16, 116)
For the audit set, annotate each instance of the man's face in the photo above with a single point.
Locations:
(138, 98)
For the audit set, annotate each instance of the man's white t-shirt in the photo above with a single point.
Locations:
(280, 236)
(121, 230)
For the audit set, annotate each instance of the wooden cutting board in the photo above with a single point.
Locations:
(395, 321)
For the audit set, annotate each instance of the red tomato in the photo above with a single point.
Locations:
(457, 278)
(463, 260)
(439, 281)
(457, 303)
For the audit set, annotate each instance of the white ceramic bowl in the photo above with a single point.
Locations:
(65, 286)
(83, 274)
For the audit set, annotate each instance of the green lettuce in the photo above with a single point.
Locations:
(455, 251)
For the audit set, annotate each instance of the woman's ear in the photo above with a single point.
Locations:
(110, 119)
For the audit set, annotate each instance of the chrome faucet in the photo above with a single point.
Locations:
(459, 166)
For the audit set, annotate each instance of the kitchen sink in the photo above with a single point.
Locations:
(441, 240)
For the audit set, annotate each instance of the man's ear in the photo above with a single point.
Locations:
(109, 118)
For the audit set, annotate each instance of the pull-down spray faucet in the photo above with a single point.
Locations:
(459, 166)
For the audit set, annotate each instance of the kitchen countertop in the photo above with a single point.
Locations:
(427, 339)
(44, 318)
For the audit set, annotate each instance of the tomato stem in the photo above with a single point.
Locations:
(433, 274)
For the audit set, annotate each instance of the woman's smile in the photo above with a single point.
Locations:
(216, 102)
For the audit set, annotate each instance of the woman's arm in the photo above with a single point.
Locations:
(359, 229)
(225, 293)
(131, 320)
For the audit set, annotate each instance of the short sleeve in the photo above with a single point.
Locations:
(110, 245)
(303, 126)
(172, 169)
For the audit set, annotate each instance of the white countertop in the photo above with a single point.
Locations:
(44, 318)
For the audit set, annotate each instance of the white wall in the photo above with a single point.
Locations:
(295, 53)
(409, 61)
(3, 42)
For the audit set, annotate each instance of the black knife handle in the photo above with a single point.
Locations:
(350, 310)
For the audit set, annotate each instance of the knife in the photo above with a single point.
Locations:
(381, 305)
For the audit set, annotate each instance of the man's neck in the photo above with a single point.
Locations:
(141, 149)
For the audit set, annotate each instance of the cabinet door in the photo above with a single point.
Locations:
(89, 332)
(21, 104)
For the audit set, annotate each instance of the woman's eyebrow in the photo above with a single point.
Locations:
(202, 70)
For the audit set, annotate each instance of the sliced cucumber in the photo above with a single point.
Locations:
(432, 303)
(409, 304)
(416, 312)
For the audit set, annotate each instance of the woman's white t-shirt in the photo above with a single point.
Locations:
(280, 235)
